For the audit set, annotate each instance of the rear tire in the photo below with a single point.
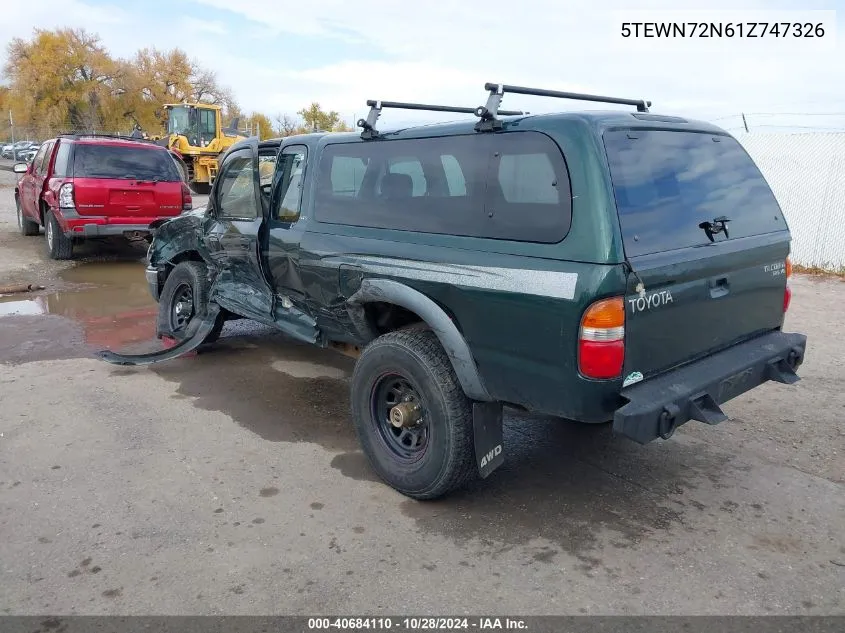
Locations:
(184, 297)
(437, 454)
(201, 188)
(25, 225)
(59, 246)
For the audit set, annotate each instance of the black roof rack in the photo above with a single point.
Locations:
(78, 135)
(488, 113)
(369, 124)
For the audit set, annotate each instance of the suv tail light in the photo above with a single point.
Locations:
(66, 196)
(187, 199)
(601, 339)
(787, 293)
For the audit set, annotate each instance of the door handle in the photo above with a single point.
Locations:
(719, 287)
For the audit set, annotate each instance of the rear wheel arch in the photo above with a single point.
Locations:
(431, 316)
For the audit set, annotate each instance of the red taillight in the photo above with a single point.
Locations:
(187, 199)
(601, 340)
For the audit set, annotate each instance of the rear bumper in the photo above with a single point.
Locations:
(107, 230)
(658, 406)
(85, 226)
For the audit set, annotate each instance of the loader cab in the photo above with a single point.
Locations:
(199, 124)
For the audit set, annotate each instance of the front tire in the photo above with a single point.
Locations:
(425, 450)
(26, 226)
(184, 297)
(59, 246)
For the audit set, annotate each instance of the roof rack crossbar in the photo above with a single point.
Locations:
(641, 104)
(488, 113)
(369, 124)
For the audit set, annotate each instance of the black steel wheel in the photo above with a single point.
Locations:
(412, 418)
(184, 297)
(400, 417)
(181, 308)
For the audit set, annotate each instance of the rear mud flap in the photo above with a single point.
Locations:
(197, 332)
(488, 436)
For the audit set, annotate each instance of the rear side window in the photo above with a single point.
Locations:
(667, 182)
(39, 157)
(60, 167)
(123, 162)
(41, 166)
(512, 186)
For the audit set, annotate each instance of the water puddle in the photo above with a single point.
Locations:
(111, 304)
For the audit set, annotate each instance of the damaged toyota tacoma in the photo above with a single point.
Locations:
(613, 267)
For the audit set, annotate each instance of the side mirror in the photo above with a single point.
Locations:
(20, 168)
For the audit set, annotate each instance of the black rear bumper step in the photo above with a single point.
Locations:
(658, 406)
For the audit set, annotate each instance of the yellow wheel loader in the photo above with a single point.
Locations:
(196, 138)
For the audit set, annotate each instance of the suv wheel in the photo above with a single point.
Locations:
(201, 188)
(184, 297)
(58, 245)
(413, 420)
(25, 225)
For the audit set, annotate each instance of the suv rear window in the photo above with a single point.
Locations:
(512, 186)
(667, 182)
(122, 162)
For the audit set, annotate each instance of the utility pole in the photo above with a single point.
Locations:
(744, 122)
(12, 123)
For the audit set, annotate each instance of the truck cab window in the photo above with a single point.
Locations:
(291, 169)
(236, 195)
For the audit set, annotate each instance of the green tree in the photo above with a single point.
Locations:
(260, 124)
(154, 78)
(315, 118)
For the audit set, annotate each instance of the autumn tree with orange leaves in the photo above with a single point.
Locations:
(66, 81)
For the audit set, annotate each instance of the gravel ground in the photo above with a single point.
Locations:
(231, 481)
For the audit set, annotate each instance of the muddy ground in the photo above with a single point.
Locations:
(231, 482)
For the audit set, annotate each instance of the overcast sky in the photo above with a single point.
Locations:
(280, 55)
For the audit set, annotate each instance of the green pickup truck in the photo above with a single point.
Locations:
(614, 267)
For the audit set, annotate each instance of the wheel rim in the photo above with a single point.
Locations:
(49, 232)
(400, 417)
(182, 307)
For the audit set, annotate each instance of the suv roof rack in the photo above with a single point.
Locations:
(488, 113)
(369, 124)
(79, 135)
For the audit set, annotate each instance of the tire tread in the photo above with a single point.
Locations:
(62, 245)
(460, 467)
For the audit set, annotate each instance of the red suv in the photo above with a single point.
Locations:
(82, 187)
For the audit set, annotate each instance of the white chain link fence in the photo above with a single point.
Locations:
(807, 174)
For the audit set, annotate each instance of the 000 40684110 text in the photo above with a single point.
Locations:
(419, 623)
